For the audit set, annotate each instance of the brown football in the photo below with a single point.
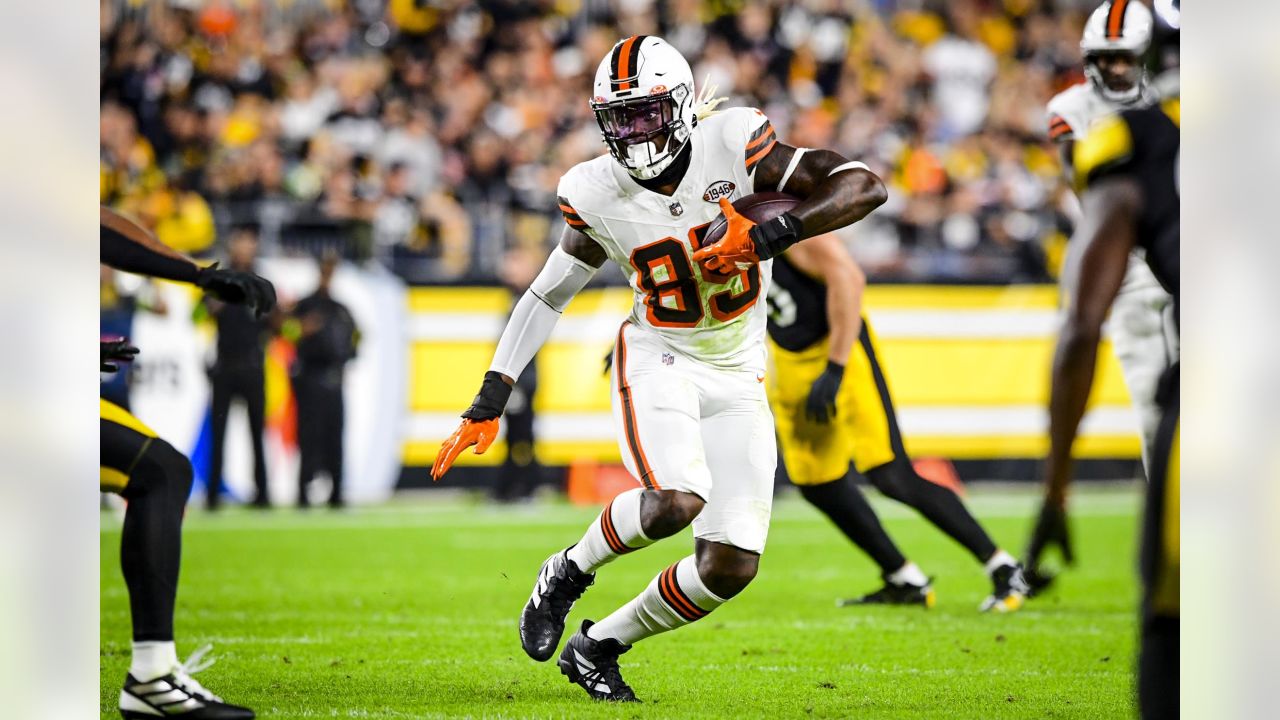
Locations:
(757, 207)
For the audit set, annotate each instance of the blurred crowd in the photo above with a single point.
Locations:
(428, 135)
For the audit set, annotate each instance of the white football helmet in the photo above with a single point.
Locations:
(1117, 27)
(643, 101)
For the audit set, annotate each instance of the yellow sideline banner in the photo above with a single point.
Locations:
(968, 368)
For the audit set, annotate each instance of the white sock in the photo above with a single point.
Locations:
(615, 532)
(909, 574)
(152, 659)
(999, 560)
(675, 598)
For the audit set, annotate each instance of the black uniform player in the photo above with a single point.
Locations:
(1126, 170)
(832, 407)
(155, 479)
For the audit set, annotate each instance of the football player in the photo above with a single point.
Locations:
(1126, 171)
(155, 480)
(692, 419)
(1114, 41)
(832, 405)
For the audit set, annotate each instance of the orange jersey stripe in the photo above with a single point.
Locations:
(767, 132)
(751, 161)
(1058, 131)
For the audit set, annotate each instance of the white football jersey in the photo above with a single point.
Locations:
(1074, 110)
(715, 318)
(1071, 113)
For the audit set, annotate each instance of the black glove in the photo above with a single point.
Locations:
(238, 287)
(1051, 529)
(117, 350)
(491, 400)
(821, 405)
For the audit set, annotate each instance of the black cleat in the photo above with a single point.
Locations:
(177, 695)
(593, 665)
(559, 584)
(1010, 590)
(1038, 580)
(895, 594)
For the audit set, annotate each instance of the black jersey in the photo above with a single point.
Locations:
(1142, 144)
(797, 307)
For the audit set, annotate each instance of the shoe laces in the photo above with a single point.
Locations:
(563, 590)
(607, 670)
(195, 663)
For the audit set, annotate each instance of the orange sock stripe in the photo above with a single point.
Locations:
(629, 414)
(671, 593)
(611, 533)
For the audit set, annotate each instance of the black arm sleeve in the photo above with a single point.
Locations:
(122, 253)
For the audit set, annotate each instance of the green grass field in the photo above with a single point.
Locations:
(409, 611)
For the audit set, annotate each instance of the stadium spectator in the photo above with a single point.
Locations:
(428, 137)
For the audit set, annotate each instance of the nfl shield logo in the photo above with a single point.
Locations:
(676, 208)
(668, 359)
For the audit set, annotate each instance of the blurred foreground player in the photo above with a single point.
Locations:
(155, 479)
(832, 405)
(1142, 331)
(1126, 170)
(693, 421)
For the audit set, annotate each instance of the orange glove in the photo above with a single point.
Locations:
(735, 247)
(480, 433)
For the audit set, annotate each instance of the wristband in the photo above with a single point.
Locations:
(772, 238)
(491, 400)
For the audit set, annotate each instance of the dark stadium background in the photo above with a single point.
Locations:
(426, 138)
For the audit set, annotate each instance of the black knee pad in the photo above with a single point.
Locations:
(161, 470)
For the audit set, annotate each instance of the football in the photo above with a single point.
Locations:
(758, 207)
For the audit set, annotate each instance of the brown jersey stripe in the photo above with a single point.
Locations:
(671, 594)
(1115, 19)
(629, 423)
(755, 159)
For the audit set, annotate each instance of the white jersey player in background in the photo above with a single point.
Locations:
(1142, 330)
(688, 394)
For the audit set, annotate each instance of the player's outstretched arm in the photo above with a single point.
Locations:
(824, 257)
(834, 193)
(571, 265)
(1095, 267)
(127, 246)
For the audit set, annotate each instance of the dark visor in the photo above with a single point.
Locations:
(638, 120)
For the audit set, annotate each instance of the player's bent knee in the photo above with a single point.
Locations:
(726, 570)
(664, 513)
(161, 469)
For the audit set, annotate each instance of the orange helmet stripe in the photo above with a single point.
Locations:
(1115, 19)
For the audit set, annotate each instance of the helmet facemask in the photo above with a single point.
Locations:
(1136, 76)
(646, 133)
